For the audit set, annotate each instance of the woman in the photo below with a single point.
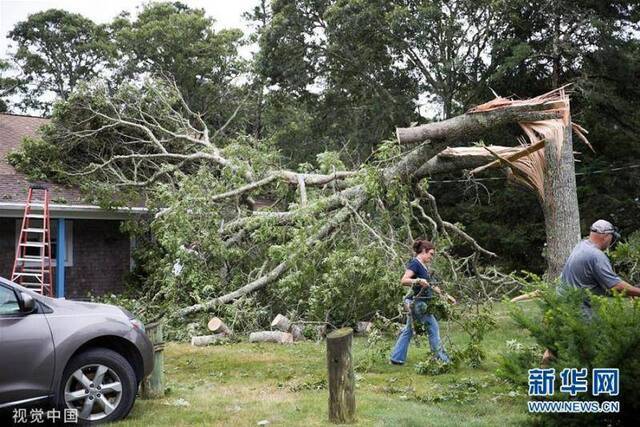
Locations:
(417, 276)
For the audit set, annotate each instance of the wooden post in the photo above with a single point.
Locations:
(153, 385)
(342, 399)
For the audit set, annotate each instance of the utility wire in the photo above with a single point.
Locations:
(502, 178)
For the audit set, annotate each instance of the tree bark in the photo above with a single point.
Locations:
(560, 204)
(342, 400)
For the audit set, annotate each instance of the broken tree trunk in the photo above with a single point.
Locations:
(342, 399)
(271, 336)
(560, 204)
(551, 174)
(217, 326)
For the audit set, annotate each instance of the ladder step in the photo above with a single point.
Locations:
(33, 244)
(22, 273)
(38, 216)
(28, 258)
(33, 270)
(35, 230)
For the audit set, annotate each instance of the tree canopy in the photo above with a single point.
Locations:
(55, 51)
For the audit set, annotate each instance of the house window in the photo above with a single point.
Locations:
(68, 231)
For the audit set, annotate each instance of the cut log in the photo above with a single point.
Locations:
(271, 336)
(297, 332)
(342, 399)
(217, 325)
(363, 328)
(204, 340)
(281, 323)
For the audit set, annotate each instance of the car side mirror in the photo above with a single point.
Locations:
(27, 303)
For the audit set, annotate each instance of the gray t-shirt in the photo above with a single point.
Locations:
(589, 268)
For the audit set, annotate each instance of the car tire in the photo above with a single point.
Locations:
(111, 405)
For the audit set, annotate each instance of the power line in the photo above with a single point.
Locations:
(501, 178)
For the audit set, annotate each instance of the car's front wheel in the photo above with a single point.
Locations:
(100, 384)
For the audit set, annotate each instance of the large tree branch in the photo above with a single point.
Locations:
(468, 127)
(325, 232)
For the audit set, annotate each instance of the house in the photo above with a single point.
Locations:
(96, 254)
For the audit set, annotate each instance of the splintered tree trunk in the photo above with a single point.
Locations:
(560, 204)
(342, 400)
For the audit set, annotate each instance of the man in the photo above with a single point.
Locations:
(589, 268)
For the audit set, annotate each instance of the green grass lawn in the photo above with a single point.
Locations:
(242, 384)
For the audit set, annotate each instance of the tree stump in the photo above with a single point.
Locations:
(342, 399)
(153, 385)
(281, 323)
(217, 325)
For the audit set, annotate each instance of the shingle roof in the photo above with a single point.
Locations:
(13, 184)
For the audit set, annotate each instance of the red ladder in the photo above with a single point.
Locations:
(32, 265)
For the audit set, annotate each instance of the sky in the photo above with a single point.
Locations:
(228, 14)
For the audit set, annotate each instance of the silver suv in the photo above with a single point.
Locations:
(74, 355)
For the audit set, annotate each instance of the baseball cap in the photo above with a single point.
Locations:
(604, 227)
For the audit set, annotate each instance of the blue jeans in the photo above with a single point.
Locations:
(399, 353)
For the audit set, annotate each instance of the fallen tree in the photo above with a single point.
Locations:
(204, 190)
